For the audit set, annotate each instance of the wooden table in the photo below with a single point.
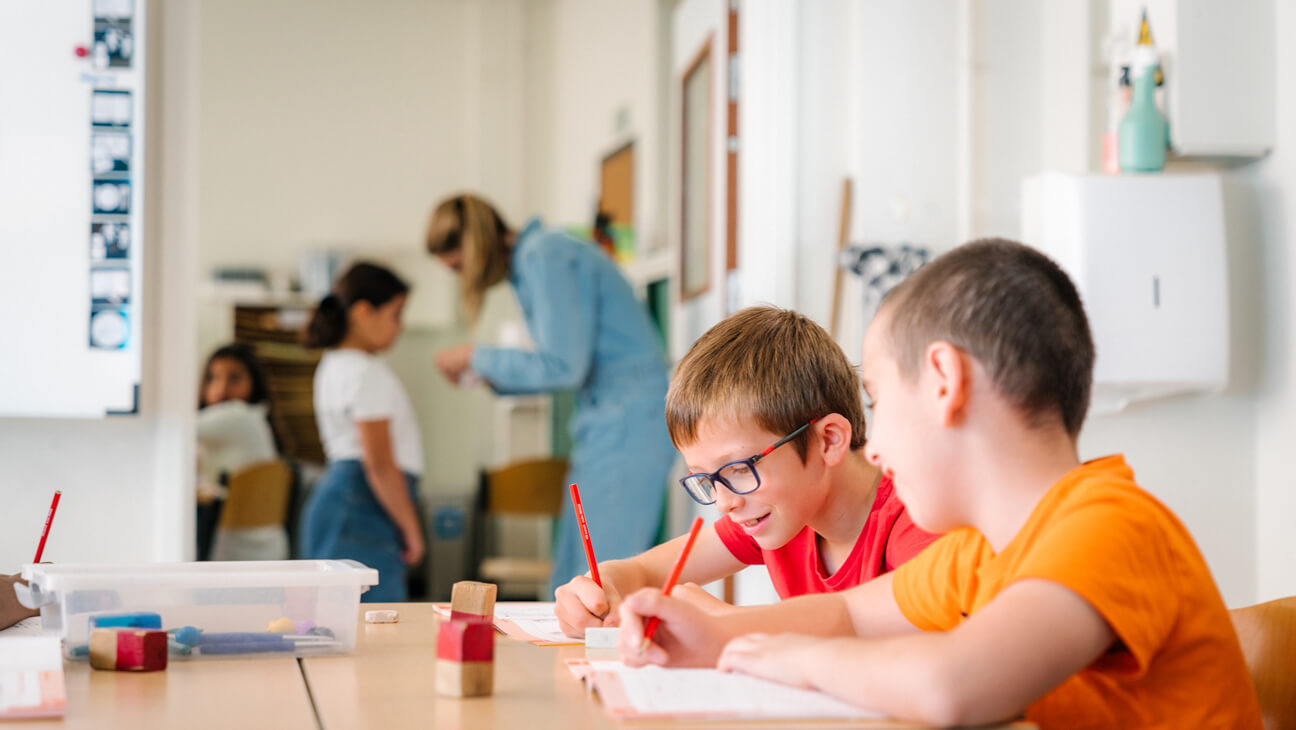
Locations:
(226, 693)
(387, 683)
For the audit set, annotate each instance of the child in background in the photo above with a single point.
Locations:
(233, 416)
(234, 433)
(768, 415)
(363, 508)
(1063, 590)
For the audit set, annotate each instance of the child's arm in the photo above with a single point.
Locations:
(690, 637)
(581, 603)
(11, 611)
(388, 484)
(1025, 642)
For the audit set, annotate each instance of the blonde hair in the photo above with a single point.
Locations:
(772, 365)
(469, 224)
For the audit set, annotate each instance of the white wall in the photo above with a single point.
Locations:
(591, 85)
(1274, 182)
(341, 123)
(128, 481)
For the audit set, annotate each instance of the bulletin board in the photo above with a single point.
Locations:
(71, 207)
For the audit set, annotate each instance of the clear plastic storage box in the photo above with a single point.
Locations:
(209, 609)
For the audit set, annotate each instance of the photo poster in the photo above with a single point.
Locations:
(72, 208)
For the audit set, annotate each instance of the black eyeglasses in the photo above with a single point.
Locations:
(739, 477)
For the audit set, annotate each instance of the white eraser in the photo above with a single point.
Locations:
(381, 617)
(602, 638)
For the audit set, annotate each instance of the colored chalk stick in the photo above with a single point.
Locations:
(138, 620)
(382, 617)
(136, 650)
(471, 599)
(281, 626)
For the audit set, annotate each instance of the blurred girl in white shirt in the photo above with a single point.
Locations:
(363, 508)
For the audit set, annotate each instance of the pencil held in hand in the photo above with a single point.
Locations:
(584, 530)
(671, 580)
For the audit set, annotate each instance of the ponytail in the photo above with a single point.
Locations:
(328, 324)
(363, 282)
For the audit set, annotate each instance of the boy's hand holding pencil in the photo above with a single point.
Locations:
(687, 635)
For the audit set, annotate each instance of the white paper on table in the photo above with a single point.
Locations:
(658, 692)
(26, 627)
(31, 677)
(536, 619)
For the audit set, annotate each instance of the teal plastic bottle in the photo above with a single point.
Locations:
(1144, 134)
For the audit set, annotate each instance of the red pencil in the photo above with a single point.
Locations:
(670, 580)
(49, 520)
(584, 529)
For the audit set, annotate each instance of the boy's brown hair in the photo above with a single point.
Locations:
(772, 365)
(1015, 311)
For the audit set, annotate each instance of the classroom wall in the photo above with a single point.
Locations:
(1274, 181)
(591, 86)
(127, 481)
(338, 124)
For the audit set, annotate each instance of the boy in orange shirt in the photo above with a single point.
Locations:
(1062, 590)
(767, 412)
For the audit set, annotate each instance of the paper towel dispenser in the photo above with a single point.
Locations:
(1147, 254)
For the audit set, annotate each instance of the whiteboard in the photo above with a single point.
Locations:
(72, 132)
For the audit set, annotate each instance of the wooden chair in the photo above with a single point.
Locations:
(1267, 632)
(523, 489)
(258, 496)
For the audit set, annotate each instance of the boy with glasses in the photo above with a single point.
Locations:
(1062, 589)
(767, 412)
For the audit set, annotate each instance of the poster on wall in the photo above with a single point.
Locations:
(75, 137)
(110, 152)
(109, 241)
(109, 327)
(112, 197)
(110, 108)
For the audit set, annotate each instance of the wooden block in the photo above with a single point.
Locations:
(135, 650)
(466, 641)
(464, 679)
(470, 599)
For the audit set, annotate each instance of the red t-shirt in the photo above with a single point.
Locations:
(889, 538)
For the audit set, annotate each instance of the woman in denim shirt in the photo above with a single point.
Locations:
(592, 335)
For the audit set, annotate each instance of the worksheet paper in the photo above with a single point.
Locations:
(655, 692)
(31, 677)
(534, 622)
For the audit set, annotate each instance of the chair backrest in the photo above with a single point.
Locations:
(1267, 632)
(258, 496)
(526, 488)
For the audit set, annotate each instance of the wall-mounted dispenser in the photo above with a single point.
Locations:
(1147, 253)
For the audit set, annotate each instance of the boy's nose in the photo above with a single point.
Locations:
(727, 501)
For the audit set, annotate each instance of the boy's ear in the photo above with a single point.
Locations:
(834, 437)
(948, 367)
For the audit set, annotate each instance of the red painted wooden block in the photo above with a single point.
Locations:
(466, 641)
(137, 650)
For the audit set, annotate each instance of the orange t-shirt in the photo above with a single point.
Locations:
(1176, 662)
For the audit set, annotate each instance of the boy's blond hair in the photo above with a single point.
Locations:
(771, 365)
